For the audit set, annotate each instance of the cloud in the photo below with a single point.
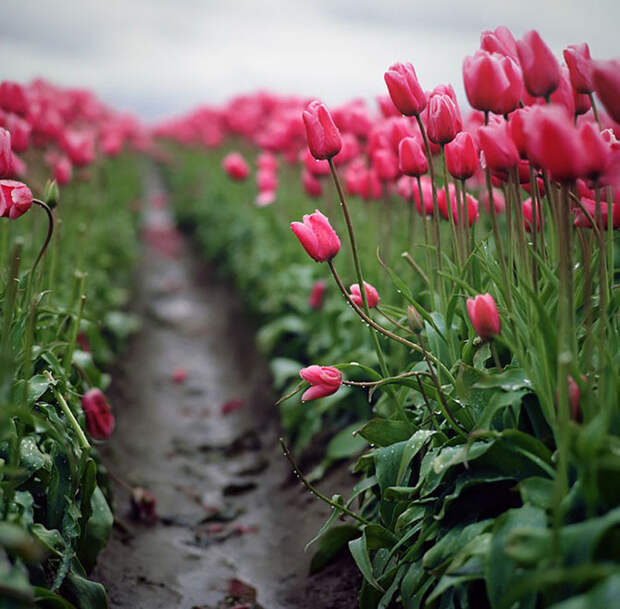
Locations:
(157, 57)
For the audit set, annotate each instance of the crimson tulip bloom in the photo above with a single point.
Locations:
(317, 295)
(372, 296)
(325, 380)
(541, 70)
(462, 156)
(607, 86)
(493, 82)
(483, 315)
(15, 199)
(500, 151)
(324, 140)
(553, 143)
(412, 160)
(6, 155)
(442, 119)
(312, 186)
(236, 166)
(317, 236)
(404, 88)
(99, 418)
(579, 62)
(499, 41)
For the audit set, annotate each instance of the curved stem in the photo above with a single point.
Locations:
(50, 231)
(594, 109)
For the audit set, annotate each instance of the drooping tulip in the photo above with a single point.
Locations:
(317, 236)
(15, 199)
(404, 88)
(483, 314)
(324, 140)
(372, 296)
(99, 418)
(462, 156)
(325, 380)
(541, 70)
(236, 166)
(412, 160)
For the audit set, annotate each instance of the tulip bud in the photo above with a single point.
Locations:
(607, 86)
(462, 156)
(325, 380)
(579, 63)
(99, 418)
(372, 296)
(317, 236)
(442, 120)
(404, 88)
(15, 199)
(51, 194)
(323, 137)
(483, 315)
(412, 160)
(541, 70)
(414, 319)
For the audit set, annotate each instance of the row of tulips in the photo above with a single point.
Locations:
(492, 473)
(66, 268)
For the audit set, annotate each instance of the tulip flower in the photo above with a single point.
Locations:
(6, 155)
(404, 88)
(179, 375)
(581, 219)
(317, 236)
(553, 143)
(99, 418)
(412, 160)
(442, 205)
(13, 97)
(426, 206)
(63, 170)
(236, 166)
(442, 119)
(607, 85)
(528, 217)
(266, 180)
(541, 70)
(324, 140)
(267, 161)
(80, 146)
(483, 315)
(15, 199)
(20, 132)
(325, 380)
(579, 63)
(596, 151)
(499, 41)
(462, 156)
(500, 151)
(372, 296)
(385, 163)
(265, 197)
(493, 82)
(317, 295)
(312, 186)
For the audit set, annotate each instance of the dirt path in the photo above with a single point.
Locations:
(232, 519)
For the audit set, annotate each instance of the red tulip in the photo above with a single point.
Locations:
(596, 151)
(317, 295)
(317, 236)
(541, 70)
(412, 160)
(462, 156)
(404, 88)
(500, 151)
(236, 167)
(483, 314)
(607, 85)
(6, 155)
(323, 137)
(493, 82)
(499, 41)
(15, 199)
(372, 296)
(99, 418)
(312, 186)
(179, 375)
(325, 380)
(579, 62)
(442, 119)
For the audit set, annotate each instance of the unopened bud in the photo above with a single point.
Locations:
(51, 194)
(414, 319)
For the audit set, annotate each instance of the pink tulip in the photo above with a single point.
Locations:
(15, 199)
(607, 85)
(462, 156)
(499, 41)
(317, 236)
(13, 97)
(325, 380)
(412, 160)
(324, 140)
(541, 70)
(317, 295)
(6, 156)
(483, 315)
(404, 88)
(528, 216)
(236, 167)
(385, 163)
(579, 62)
(500, 152)
(442, 119)
(20, 132)
(99, 418)
(372, 296)
(312, 185)
(426, 203)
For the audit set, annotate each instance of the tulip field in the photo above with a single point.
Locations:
(434, 287)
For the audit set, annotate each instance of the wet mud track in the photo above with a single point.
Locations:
(233, 521)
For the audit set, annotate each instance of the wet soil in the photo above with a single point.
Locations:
(233, 521)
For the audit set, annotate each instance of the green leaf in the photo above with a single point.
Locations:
(511, 379)
(344, 444)
(332, 542)
(384, 432)
(359, 551)
(603, 595)
(37, 386)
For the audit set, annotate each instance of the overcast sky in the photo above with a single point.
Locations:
(159, 57)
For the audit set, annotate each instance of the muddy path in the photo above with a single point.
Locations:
(233, 521)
